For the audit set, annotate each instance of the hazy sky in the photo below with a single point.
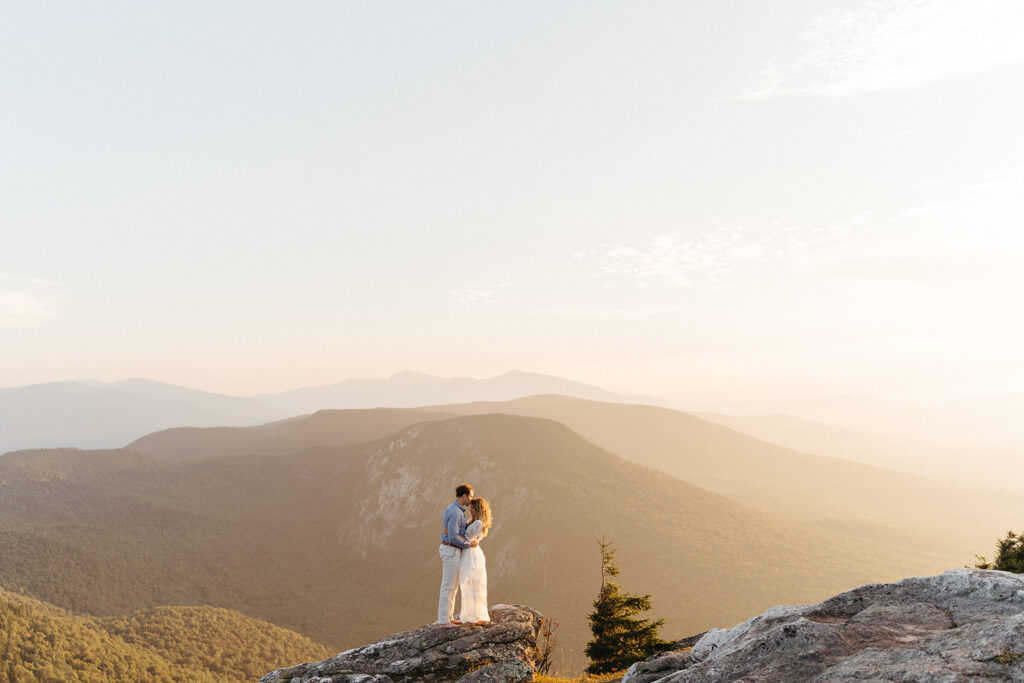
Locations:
(703, 200)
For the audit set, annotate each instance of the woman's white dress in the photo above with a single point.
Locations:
(473, 579)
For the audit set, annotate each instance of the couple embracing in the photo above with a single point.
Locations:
(462, 560)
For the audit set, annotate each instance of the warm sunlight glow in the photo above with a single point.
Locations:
(832, 209)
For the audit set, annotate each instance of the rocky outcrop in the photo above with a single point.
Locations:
(963, 625)
(504, 651)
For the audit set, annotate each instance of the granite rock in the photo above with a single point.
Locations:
(963, 625)
(504, 651)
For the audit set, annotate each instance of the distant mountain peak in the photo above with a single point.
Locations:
(410, 389)
(412, 374)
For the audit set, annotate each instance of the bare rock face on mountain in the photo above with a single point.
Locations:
(963, 625)
(504, 651)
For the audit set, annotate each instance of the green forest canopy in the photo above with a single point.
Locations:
(41, 642)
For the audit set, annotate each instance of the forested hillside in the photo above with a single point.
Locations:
(41, 642)
(339, 542)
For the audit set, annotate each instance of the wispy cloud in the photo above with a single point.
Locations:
(997, 191)
(918, 210)
(21, 309)
(1005, 179)
(662, 259)
(607, 313)
(895, 45)
(862, 217)
(480, 295)
(7, 277)
(710, 257)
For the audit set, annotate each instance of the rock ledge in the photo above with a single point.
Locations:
(963, 625)
(504, 651)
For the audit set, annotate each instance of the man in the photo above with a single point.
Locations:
(453, 541)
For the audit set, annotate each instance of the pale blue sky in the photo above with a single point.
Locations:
(703, 200)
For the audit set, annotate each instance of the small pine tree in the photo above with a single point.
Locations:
(620, 638)
(1009, 555)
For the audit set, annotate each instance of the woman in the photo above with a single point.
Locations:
(473, 569)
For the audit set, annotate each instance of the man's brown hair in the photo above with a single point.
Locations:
(463, 489)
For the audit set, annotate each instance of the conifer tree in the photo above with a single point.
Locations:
(1009, 555)
(620, 637)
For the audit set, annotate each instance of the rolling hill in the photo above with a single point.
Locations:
(41, 642)
(955, 519)
(339, 542)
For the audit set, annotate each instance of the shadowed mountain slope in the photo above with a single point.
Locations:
(781, 481)
(340, 542)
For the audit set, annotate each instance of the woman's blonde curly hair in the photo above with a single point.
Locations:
(481, 509)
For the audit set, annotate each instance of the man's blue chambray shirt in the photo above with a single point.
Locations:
(454, 520)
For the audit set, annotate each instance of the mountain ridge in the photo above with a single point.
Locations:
(306, 538)
(773, 478)
(97, 415)
(60, 414)
(986, 419)
(958, 461)
(92, 414)
(410, 389)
